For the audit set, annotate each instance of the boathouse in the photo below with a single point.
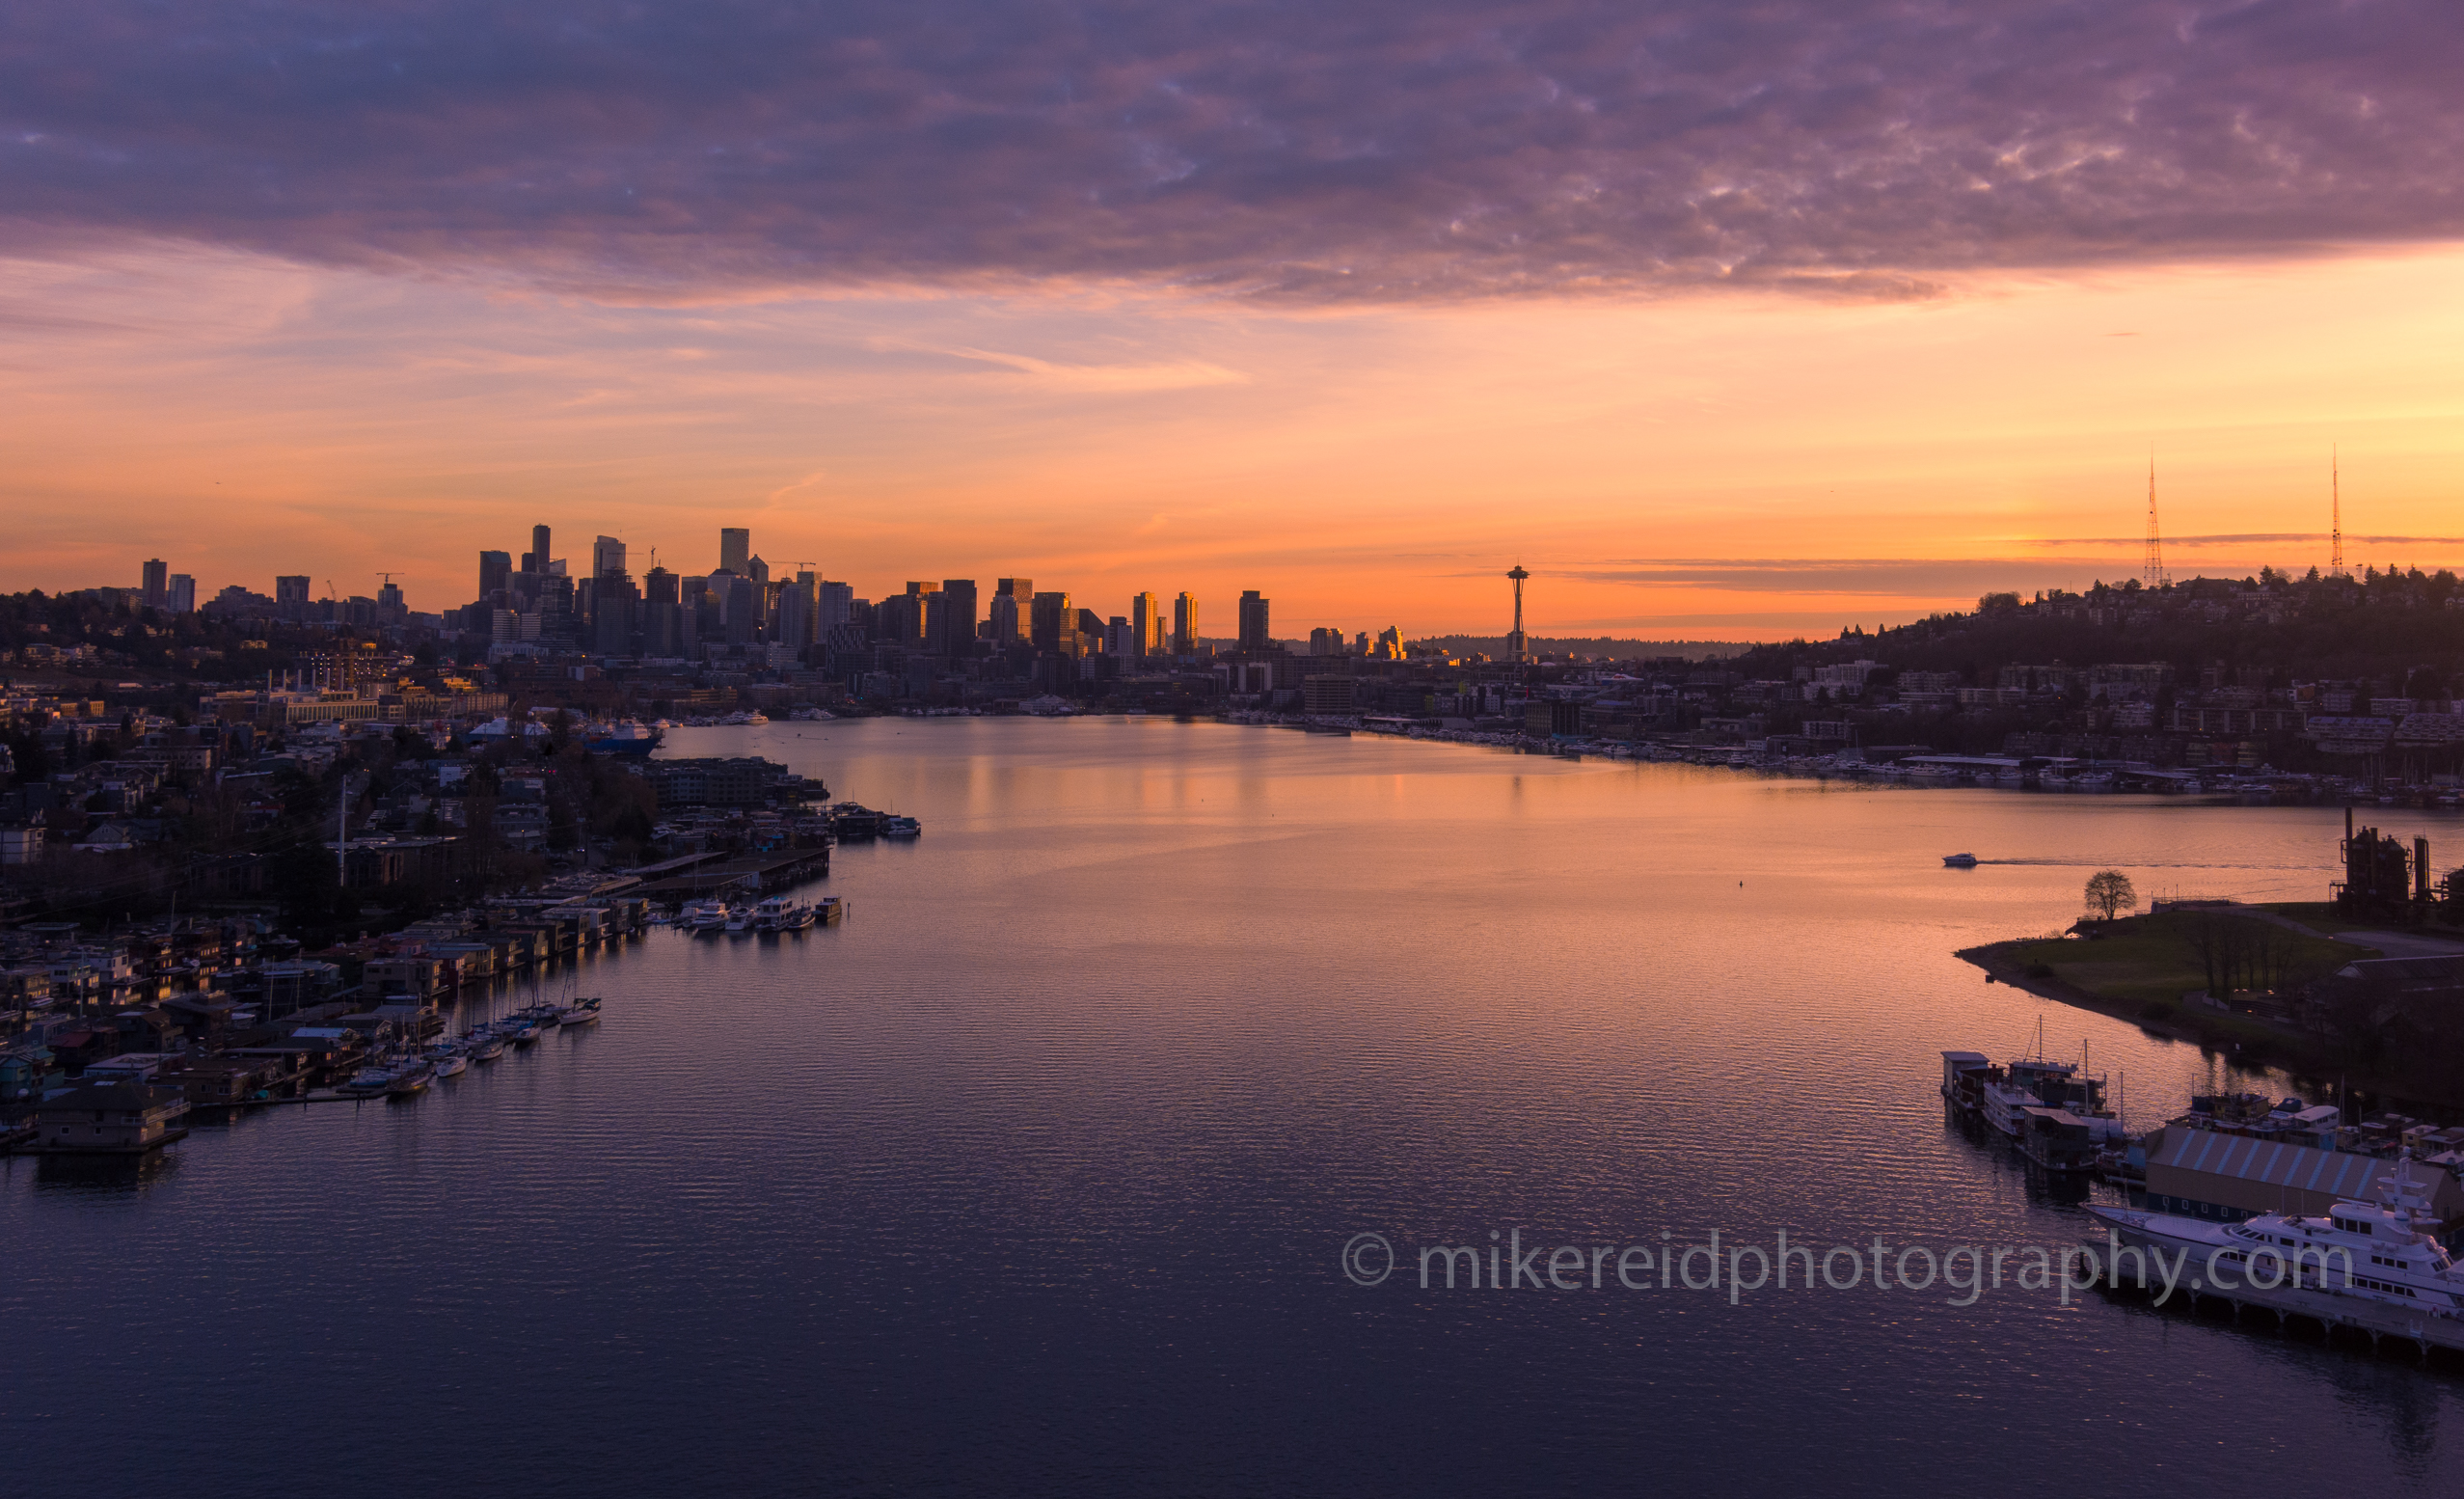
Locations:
(110, 1118)
(2209, 1174)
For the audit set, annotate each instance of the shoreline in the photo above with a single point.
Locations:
(2228, 1036)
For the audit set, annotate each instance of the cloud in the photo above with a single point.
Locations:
(1103, 378)
(1375, 150)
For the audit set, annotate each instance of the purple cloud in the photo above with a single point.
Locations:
(1311, 152)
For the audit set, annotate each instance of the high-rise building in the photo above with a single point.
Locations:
(390, 607)
(1119, 637)
(744, 610)
(1326, 642)
(661, 615)
(1003, 618)
(535, 561)
(838, 606)
(614, 606)
(957, 635)
(735, 549)
(1146, 621)
(1184, 625)
(496, 573)
(1254, 638)
(799, 609)
(1049, 617)
(183, 591)
(607, 556)
(157, 583)
(757, 570)
(290, 589)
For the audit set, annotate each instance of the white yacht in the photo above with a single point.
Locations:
(703, 915)
(2364, 1265)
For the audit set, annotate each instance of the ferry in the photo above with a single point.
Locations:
(2365, 1264)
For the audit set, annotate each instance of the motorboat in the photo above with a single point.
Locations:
(740, 919)
(900, 828)
(703, 915)
(1960, 861)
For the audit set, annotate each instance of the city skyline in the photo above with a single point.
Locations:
(1845, 356)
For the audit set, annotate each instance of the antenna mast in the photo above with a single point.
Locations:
(2153, 573)
(2336, 514)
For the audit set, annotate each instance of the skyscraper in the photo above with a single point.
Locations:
(744, 610)
(838, 606)
(1184, 625)
(535, 561)
(958, 619)
(1254, 638)
(1049, 617)
(1146, 622)
(157, 583)
(496, 570)
(183, 594)
(797, 608)
(607, 556)
(735, 549)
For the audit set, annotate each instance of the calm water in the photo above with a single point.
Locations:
(1034, 1176)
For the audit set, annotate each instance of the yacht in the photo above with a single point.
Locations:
(900, 828)
(2365, 1265)
(581, 1011)
(447, 1058)
(703, 915)
(486, 1045)
(412, 1075)
(740, 919)
(1960, 861)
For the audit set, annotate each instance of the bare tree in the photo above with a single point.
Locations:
(2109, 893)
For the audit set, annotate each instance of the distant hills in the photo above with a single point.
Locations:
(1619, 647)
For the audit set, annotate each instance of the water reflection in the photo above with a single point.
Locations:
(1032, 1174)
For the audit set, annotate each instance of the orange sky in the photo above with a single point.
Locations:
(1730, 466)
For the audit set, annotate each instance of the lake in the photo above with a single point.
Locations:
(1043, 1173)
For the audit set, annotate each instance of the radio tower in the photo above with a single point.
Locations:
(2336, 515)
(2153, 575)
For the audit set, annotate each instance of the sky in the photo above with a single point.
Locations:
(1726, 321)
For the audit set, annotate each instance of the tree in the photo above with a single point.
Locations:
(2109, 893)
